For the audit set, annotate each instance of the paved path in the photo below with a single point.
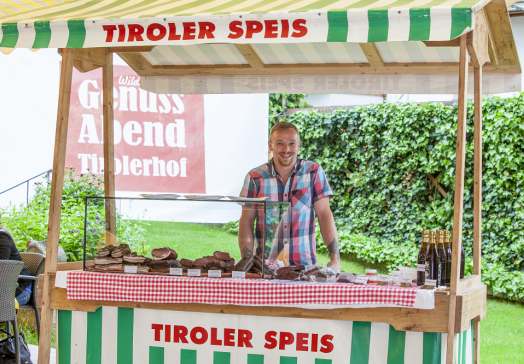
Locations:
(34, 354)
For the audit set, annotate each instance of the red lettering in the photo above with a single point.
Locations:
(110, 30)
(179, 334)
(286, 338)
(168, 333)
(252, 27)
(244, 338)
(271, 29)
(195, 339)
(189, 30)
(151, 32)
(235, 27)
(121, 32)
(300, 28)
(314, 343)
(172, 32)
(302, 342)
(135, 32)
(327, 345)
(206, 30)
(229, 337)
(157, 328)
(285, 28)
(271, 342)
(214, 339)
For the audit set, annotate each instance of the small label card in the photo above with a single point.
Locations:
(421, 267)
(239, 274)
(383, 278)
(130, 269)
(406, 279)
(193, 272)
(361, 280)
(214, 273)
(176, 271)
(430, 282)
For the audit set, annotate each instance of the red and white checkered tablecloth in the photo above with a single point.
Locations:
(168, 289)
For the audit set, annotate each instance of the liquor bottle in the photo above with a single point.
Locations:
(443, 257)
(447, 248)
(432, 257)
(462, 256)
(422, 267)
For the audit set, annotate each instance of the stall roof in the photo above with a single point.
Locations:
(220, 46)
(88, 23)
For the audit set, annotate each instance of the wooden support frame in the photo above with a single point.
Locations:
(55, 208)
(372, 54)
(459, 197)
(248, 52)
(109, 149)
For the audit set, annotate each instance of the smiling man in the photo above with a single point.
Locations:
(305, 186)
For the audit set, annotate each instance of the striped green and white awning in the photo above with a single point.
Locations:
(103, 23)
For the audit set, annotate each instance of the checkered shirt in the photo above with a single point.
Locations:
(295, 226)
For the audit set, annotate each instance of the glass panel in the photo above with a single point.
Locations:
(193, 228)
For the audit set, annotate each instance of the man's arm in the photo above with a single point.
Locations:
(246, 237)
(328, 230)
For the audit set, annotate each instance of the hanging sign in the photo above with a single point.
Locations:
(159, 139)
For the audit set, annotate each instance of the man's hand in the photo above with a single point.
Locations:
(328, 230)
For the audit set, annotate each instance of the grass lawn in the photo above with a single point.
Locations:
(502, 333)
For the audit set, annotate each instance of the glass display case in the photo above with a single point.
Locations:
(186, 235)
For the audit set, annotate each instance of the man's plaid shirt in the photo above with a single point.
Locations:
(306, 185)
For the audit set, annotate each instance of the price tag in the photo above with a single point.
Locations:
(130, 269)
(239, 274)
(430, 282)
(421, 267)
(193, 272)
(361, 279)
(214, 273)
(383, 278)
(406, 279)
(176, 271)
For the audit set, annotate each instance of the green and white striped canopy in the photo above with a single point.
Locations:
(103, 23)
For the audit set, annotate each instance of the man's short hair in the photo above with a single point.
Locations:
(283, 125)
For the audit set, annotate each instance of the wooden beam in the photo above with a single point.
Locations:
(109, 149)
(459, 197)
(476, 341)
(250, 55)
(55, 207)
(503, 42)
(308, 69)
(372, 54)
(85, 66)
(477, 174)
(144, 49)
(470, 304)
(446, 43)
(136, 61)
(477, 40)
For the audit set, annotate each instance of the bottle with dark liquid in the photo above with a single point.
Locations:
(443, 257)
(432, 258)
(421, 261)
(447, 248)
(462, 260)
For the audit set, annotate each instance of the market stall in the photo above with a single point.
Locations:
(269, 46)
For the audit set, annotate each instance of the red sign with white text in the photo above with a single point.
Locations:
(159, 139)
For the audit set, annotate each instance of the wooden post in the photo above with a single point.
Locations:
(459, 197)
(477, 201)
(109, 149)
(55, 208)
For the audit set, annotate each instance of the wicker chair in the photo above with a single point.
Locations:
(35, 263)
(9, 271)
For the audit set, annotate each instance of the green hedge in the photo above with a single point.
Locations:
(378, 158)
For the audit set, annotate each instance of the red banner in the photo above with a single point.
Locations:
(159, 139)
